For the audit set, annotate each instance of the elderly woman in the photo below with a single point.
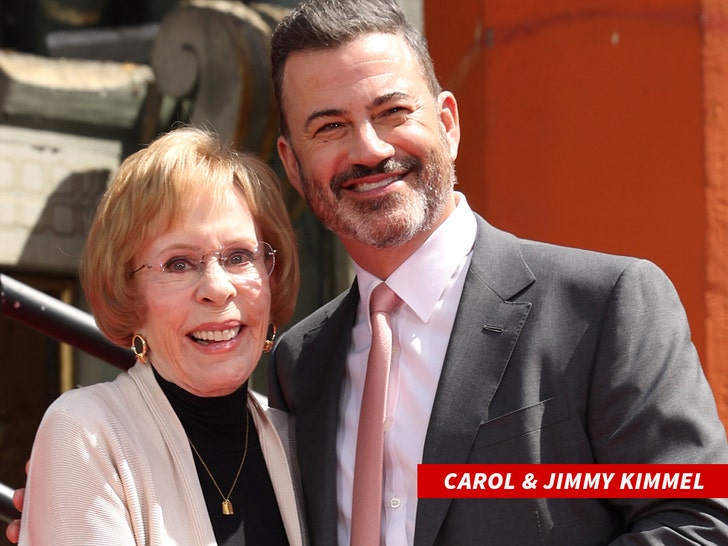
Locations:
(191, 261)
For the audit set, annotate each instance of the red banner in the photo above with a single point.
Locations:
(572, 481)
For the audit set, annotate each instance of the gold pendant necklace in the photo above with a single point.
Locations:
(227, 506)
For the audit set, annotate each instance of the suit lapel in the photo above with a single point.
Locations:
(320, 372)
(484, 335)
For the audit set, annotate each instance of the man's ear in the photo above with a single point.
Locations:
(450, 120)
(288, 157)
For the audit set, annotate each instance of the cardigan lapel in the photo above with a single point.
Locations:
(275, 443)
(485, 332)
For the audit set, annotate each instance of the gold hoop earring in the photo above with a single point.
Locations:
(268, 344)
(139, 348)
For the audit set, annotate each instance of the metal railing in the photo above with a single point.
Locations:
(7, 510)
(60, 321)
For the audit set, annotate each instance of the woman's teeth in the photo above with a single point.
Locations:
(215, 335)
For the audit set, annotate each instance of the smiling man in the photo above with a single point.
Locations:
(371, 150)
(504, 350)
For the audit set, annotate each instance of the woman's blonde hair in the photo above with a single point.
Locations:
(152, 189)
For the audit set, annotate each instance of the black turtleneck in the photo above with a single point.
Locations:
(216, 426)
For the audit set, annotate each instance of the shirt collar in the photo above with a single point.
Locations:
(440, 257)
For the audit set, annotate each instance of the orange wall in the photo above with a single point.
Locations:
(715, 66)
(586, 126)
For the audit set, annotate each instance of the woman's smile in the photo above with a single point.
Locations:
(205, 337)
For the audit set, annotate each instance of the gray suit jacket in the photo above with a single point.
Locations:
(557, 355)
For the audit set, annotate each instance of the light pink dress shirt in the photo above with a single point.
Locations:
(430, 283)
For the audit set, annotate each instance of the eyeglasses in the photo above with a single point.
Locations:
(240, 263)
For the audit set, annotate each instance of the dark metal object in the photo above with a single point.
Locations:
(7, 511)
(60, 321)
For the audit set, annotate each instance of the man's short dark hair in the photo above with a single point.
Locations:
(328, 24)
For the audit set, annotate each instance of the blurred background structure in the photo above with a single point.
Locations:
(84, 83)
(592, 123)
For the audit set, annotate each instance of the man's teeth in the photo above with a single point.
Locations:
(364, 186)
(216, 335)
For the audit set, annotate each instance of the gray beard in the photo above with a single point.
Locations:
(391, 220)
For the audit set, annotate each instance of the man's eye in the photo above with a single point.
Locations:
(179, 265)
(398, 113)
(239, 258)
(329, 127)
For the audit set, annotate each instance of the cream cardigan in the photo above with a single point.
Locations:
(111, 465)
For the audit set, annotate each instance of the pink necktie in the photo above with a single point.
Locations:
(368, 470)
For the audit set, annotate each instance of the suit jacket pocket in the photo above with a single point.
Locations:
(521, 423)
